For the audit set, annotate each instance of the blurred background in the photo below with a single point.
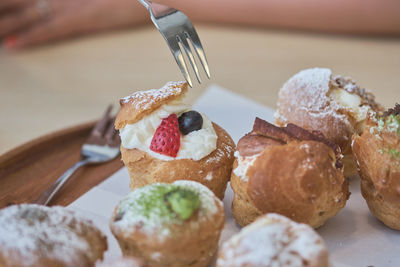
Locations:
(62, 62)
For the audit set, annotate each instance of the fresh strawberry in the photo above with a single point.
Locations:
(166, 139)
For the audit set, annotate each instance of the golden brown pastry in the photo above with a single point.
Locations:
(123, 262)
(377, 152)
(164, 141)
(274, 240)
(289, 171)
(315, 99)
(176, 224)
(33, 235)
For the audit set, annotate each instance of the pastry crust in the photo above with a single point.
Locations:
(142, 103)
(299, 178)
(378, 161)
(123, 262)
(192, 242)
(307, 100)
(33, 235)
(212, 171)
(274, 240)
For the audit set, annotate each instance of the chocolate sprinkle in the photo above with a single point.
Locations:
(348, 84)
(392, 111)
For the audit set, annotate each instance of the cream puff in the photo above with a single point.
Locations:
(274, 240)
(290, 171)
(33, 235)
(163, 140)
(316, 99)
(177, 224)
(377, 152)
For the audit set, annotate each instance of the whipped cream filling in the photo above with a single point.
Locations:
(352, 102)
(195, 145)
(243, 165)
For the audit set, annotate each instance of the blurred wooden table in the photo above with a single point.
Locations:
(52, 87)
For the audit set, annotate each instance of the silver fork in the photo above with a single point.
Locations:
(101, 146)
(177, 29)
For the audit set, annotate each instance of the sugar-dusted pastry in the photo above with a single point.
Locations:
(163, 140)
(274, 241)
(123, 262)
(33, 235)
(176, 224)
(316, 99)
(377, 152)
(290, 171)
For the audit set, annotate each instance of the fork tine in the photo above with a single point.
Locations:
(176, 51)
(97, 132)
(191, 34)
(189, 54)
(116, 139)
(102, 123)
(110, 133)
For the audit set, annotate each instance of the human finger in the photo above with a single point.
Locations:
(18, 20)
(6, 5)
(42, 32)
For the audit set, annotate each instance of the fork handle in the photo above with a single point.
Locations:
(145, 3)
(157, 10)
(47, 195)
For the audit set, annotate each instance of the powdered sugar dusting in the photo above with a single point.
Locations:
(146, 99)
(272, 240)
(316, 82)
(243, 165)
(122, 262)
(154, 220)
(317, 93)
(219, 154)
(225, 151)
(209, 176)
(27, 232)
(305, 101)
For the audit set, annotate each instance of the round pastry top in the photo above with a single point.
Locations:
(274, 240)
(141, 103)
(157, 208)
(312, 84)
(265, 135)
(318, 100)
(29, 232)
(143, 113)
(318, 87)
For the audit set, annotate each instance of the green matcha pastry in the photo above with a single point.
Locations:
(377, 151)
(169, 224)
(182, 202)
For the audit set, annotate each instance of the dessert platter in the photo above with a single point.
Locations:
(247, 190)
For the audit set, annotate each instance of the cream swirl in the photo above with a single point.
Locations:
(195, 145)
(243, 165)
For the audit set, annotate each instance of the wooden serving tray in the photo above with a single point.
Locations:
(28, 170)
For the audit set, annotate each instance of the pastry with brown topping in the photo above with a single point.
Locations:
(290, 171)
(33, 235)
(274, 240)
(315, 99)
(377, 151)
(163, 140)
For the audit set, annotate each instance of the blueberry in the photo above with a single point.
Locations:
(190, 121)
